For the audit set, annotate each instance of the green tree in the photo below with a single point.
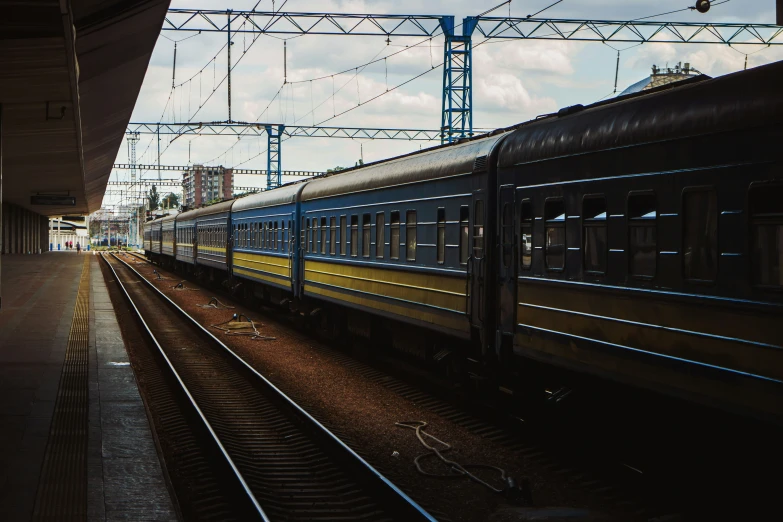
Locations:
(153, 198)
(96, 226)
(170, 201)
(336, 169)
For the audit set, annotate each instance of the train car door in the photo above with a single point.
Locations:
(507, 260)
(477, 262)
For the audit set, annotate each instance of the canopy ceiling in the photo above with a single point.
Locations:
(70, 73)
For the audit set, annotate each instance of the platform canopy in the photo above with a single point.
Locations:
(70, 73)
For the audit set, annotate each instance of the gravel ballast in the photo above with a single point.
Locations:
(363, 413)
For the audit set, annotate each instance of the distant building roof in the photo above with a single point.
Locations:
(662, 76)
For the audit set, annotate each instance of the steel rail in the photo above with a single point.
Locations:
(400, 502)
(246, 489)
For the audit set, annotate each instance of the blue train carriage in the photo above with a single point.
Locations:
(152, 249)
(167, 238)
(146, 238)
(212, 239)
(185, 240)
(642, 241)
(264, 250)
(395, 240)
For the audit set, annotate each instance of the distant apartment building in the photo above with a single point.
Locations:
(204, 184)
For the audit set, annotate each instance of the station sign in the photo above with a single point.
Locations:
(53, 200)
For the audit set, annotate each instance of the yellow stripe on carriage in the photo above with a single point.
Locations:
(442, 291)
(265, 263)
(445, 319)
(261, 277)
(220, 250)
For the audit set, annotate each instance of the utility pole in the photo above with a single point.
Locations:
(158, 151)
(228, 32)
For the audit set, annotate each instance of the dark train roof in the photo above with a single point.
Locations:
(430, 164)
(739, 100)
(279, 196)
(217, 208)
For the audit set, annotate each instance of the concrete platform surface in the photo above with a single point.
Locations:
(124, 476)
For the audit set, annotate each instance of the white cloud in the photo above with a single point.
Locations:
(505, 92)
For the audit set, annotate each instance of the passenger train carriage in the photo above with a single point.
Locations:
(393, 237)
(212, 235)
(167, 236)
(642, 240)
(637, 239)
(264, 247)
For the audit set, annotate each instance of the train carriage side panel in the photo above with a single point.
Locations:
(155, 236)
(185, 239)
(265, 239)
(212, 235)
(645, 255)
(392, 238)
(147, 231)
(167, 235)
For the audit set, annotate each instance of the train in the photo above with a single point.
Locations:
(638, 239)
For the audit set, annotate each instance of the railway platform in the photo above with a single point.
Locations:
(75, 441)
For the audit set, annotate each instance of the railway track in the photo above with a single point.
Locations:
(275, 461)
(630, 459)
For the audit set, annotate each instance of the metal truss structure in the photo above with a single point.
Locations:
(234, 128)
(270, 22)
(274, 134)
(457, 93)
(641, 31)
(183, 168)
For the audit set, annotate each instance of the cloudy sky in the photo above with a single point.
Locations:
(513, 80)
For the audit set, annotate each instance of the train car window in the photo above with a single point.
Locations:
(306, 237)
(314, 237)
(478, 229)
(766, 214)
(441, 236)
(525, 234)
(642, 235)
(380, 219)
(332, 234)
(554, 217)
(464, 232)
(410, 235)
(343, 236)
(274, 242)
(323, 235)
(700, 234)
(303, 235)
(594, 234)
(507, 226)
(366, 227)
(394, 235)
(354, 236)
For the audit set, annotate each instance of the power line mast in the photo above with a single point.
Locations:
(133, 138)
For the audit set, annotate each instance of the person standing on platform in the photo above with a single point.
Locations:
(78, 248)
